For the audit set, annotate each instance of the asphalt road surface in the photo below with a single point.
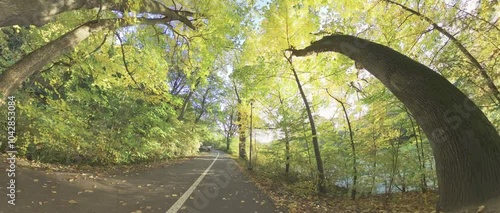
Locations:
(209, 183)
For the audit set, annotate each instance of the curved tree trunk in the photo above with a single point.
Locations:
(466, 146)
(12, 78)
(37, 12)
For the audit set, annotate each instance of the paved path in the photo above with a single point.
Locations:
(220, 189)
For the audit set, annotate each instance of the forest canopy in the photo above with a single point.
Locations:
(120, 82)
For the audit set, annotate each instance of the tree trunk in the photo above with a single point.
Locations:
(466, 146)
(39, 13)
(203, 105)
(12, 78)
(242, 129)
(187, 99)
(319, 162)
(353, 148)
(287, 137)
(229, 129)
(243, 137)
(287, 152)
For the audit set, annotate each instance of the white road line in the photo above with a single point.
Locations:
(177, 205)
